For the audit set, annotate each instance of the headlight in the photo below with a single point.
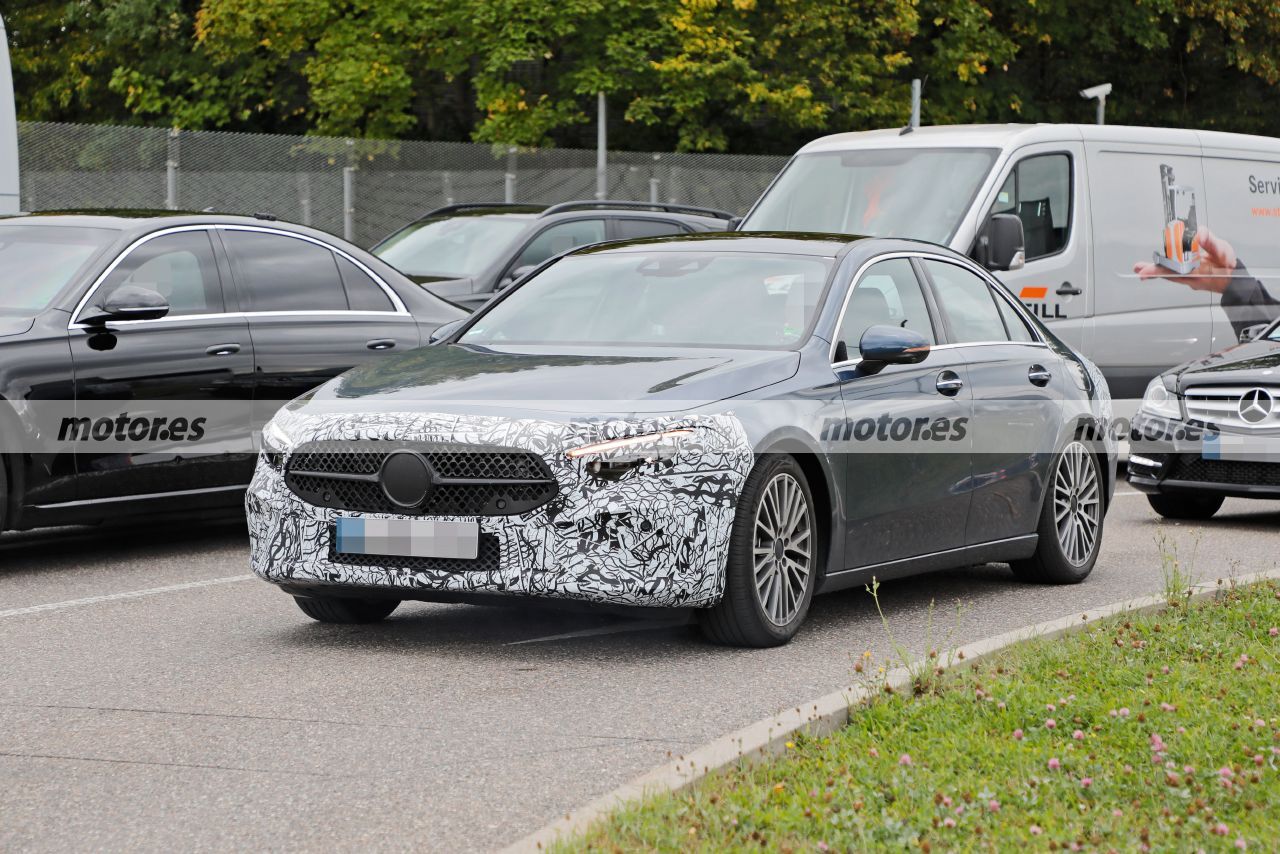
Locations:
(633, 450)
(1161, 400)
(275, 444)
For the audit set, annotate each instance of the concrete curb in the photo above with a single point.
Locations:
(827, 714)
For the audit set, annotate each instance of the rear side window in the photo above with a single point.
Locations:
(1013, 322)
(363, 293)
(1038, 192)
(888, 294)
(179, 266)
(280, 273)
(968, 303)
(629, 229)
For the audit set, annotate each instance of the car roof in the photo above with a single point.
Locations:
(138, 222)
(817, 245)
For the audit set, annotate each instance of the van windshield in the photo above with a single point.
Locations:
(920, 193)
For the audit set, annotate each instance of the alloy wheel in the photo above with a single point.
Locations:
(783, 548)
(1077, 503)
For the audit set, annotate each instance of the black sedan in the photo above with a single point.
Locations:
(730, 423)
(1209, 429)
(172, 328)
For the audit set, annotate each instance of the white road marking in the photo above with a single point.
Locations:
(617, 628)
(114, 597)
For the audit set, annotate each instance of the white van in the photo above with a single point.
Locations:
(8, 132)
(1109, 221)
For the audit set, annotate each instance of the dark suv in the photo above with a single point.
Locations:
(468, 252)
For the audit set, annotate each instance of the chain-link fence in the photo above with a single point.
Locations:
(362, 189)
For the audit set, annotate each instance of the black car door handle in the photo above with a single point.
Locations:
(1039, 375)
(1065, 290)
(223, 349)
(381, 343)
(949, 383)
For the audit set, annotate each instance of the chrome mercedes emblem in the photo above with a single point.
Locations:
(1256, 405)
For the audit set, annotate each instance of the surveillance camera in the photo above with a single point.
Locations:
(1096, 91)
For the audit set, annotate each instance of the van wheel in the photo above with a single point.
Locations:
(1070, 530)
(331, 609)
(1185, 506)
(772, 568)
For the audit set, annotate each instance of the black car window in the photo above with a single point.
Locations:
(1038, 191)
(1016, 326)
(967, 302)
(181, 267)
(280, 273)
(560, 238)
(630, 229)
(888, 294)
(363, 293)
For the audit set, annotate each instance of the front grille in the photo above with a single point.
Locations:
(468, 481)
(1221, 405)
(1227, 472)
(487, 560)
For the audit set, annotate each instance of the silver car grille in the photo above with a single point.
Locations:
(1249, 407)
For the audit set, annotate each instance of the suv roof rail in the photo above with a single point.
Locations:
(595, 204)
(474, 206)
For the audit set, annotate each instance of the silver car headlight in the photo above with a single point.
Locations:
(1161, 400)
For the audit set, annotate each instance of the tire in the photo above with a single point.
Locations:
(1070, 529)
(768, 613)
(348, 611)
(1185, 506)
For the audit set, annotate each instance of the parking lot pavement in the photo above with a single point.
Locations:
(203, 711)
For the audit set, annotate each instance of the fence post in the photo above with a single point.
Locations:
(655, 183)
(349, 195)
(602, 143)
(446, 187)
(509, 180)
(171, 172)
(304, 197)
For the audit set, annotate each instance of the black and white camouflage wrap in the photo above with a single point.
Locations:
(658, 536)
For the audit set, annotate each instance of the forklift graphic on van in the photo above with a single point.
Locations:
(1181, 245)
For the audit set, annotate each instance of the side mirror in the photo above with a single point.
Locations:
(1253, 333)
(129, 302)
(516, 275)
(893, 345)
(732, 224)
(1001, 243)
(445, 330)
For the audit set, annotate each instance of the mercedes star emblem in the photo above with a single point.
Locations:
(1256, 406)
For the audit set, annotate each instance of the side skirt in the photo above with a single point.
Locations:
(1014, 548)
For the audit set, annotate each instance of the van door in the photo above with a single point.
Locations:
(1045, 186)
(1142, 326)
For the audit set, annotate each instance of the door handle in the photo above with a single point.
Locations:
(949, 383)
(1039, 375)
(1066, 290)
(223, 349)
(381, 343)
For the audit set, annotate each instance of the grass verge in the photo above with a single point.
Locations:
(1155, 732)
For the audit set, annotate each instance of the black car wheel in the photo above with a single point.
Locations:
(1185, 506)
(1070, 521)
(773, 559)
(335, 610)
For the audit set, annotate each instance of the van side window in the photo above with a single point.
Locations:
(1038, 191)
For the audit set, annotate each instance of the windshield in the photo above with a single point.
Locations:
(451, 248)
(918, 193)
(37, 261)
(698, 299)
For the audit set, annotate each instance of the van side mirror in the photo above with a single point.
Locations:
(1001, 244)
(893, 345)
(1253, 333)
(128, 302)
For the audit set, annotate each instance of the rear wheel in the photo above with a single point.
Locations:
(336, 610)
(1185, 506)
(1070, 530)
(772, 568)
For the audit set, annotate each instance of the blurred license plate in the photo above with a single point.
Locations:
(1240, 448)
(407, 538)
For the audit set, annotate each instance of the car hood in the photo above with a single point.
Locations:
(1256, 361)
(15, 323)
(588, 380)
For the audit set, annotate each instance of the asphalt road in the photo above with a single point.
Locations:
(206, 712)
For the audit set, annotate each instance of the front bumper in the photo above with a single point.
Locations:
(657, 536)
(1169, 457)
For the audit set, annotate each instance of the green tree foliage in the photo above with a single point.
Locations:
(738, 75)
